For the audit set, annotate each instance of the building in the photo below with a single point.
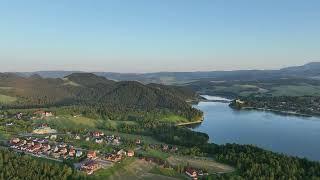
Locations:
(130, 153)
(238, 101)
(99, 140)
(43, 114)
(63, 150)
(14, 140)
(90, 166)
(138, 141)
(77, 137)
(72, 152)
(79, 153)
(53, 137)
(122, 152)
(97, 133)
(191, 172)
(91, 155)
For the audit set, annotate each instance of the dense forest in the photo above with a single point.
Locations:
(99, 93)
(255, 163)
(309, 105)
(19, 166)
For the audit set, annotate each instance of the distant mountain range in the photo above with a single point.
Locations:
(310, 71)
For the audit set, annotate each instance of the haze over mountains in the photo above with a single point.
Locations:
(310, 71)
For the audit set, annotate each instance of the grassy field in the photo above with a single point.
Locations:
(174, 119)
(202, 163)
(144, 139)
(167, 172)
(71, 122)
(154, 153)
(130, 169)
(7, 99)
(299, 90)
(6, 88)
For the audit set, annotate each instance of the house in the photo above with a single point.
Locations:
(9, 124)
(238, 101)
(72, 152)
(130, 153)
(90, 166)
(122, 152)
(91, 155)
(138, 141)
(99, 140)
(191, 172)
(46, 147)
(19, 116)
(79, 153)
(55, 149)
(113, 157)
(165, 147)
(35, 147)
(77, 137)
(63, 150)
(116, 141)
(48, 114)
(14, 140)
(43, 114)
(53, 137)
(97, 134)
(87, 139)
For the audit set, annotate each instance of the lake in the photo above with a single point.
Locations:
(292, 135)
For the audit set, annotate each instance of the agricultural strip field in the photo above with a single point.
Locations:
(201, 163)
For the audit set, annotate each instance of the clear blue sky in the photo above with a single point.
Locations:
(157, 35)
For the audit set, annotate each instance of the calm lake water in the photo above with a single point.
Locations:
(292, 135)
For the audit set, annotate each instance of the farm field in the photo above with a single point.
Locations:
(299, 90)
(130, 169)
(201, 163)
(4, 99)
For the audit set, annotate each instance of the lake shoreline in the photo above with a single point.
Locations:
(277, 111)
(189, 123)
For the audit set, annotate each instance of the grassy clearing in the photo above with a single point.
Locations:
(202, 163)
(4, 99)
(71, 122)
(299, 90)
(113, 171)
(166, 172)
(154, 153)
(174, 119)
(6, 88)
(130, 169)
(144, 139)
(71, 83)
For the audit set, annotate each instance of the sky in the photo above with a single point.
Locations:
(157, 35)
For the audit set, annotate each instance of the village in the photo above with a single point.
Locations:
(89, 160)
(46, 142)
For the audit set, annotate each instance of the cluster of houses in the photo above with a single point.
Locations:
(42, 114)
(92, 164)
(118, 156)
(164, 147)
(35, 115)
(99, 138)
(43, 147)
(195, 173)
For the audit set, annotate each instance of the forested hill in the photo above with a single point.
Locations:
(95, 91)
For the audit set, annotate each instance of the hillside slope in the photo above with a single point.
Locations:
(91, 90)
